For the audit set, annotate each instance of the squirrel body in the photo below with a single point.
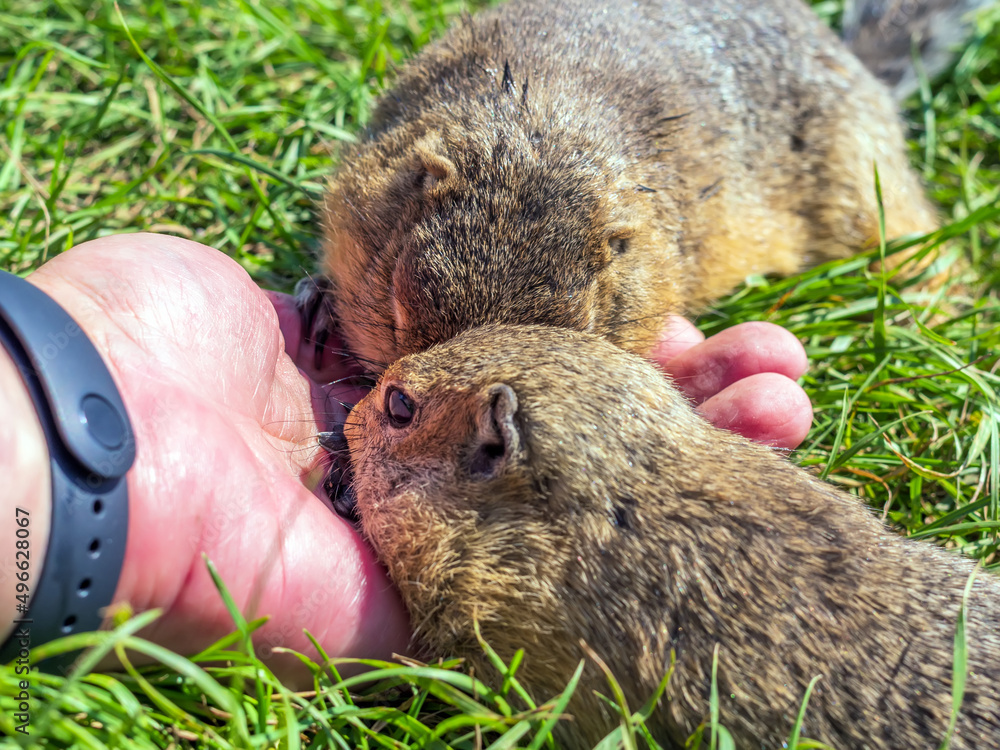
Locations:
(599, 165)
(554, 505)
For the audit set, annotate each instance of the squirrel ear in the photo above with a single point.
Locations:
(615, 244)
(432, 164)
(498, 439)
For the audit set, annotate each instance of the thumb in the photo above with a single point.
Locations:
(678, 335)
(328, 583)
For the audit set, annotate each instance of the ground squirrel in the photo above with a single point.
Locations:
(554, 505)
(884, 33)
(599, 165)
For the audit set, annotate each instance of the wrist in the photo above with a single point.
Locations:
(24, 466)
(90, 448)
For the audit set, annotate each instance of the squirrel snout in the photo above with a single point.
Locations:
(338, 484)
(333, 440)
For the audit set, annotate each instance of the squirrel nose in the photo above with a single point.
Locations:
(333, 440)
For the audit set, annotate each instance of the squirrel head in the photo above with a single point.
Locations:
(434, 228)
(494, 469)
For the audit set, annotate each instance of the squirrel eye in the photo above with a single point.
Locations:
(618, 245)
(398, 407)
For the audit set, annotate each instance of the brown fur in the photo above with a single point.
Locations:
(598, 165)
(556, 503)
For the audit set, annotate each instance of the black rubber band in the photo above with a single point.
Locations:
(91, 447)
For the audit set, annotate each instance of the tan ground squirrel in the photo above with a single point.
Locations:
(554, 504)
(598, 165)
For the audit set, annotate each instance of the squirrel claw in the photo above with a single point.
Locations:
(338, 482)
(346, 504)
(312, 301)
(339, 489)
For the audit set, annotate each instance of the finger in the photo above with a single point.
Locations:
(333, 364)
(290, 322)
(746, 349)
(767, 408)
(679, 334)
(335, 391)
(340, 595)
(281, 553)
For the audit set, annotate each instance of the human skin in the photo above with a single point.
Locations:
(226, 405)
(24, 465)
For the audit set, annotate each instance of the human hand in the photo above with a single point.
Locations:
(227, 457)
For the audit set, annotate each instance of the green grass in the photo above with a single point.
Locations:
(96, 142)
(225, 133)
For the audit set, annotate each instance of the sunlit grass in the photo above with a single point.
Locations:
(224, 130)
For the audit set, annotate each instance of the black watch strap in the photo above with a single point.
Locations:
(91, 447)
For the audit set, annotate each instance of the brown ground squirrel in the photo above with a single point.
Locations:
(598, 165)
(883, 34)
(554, 504)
